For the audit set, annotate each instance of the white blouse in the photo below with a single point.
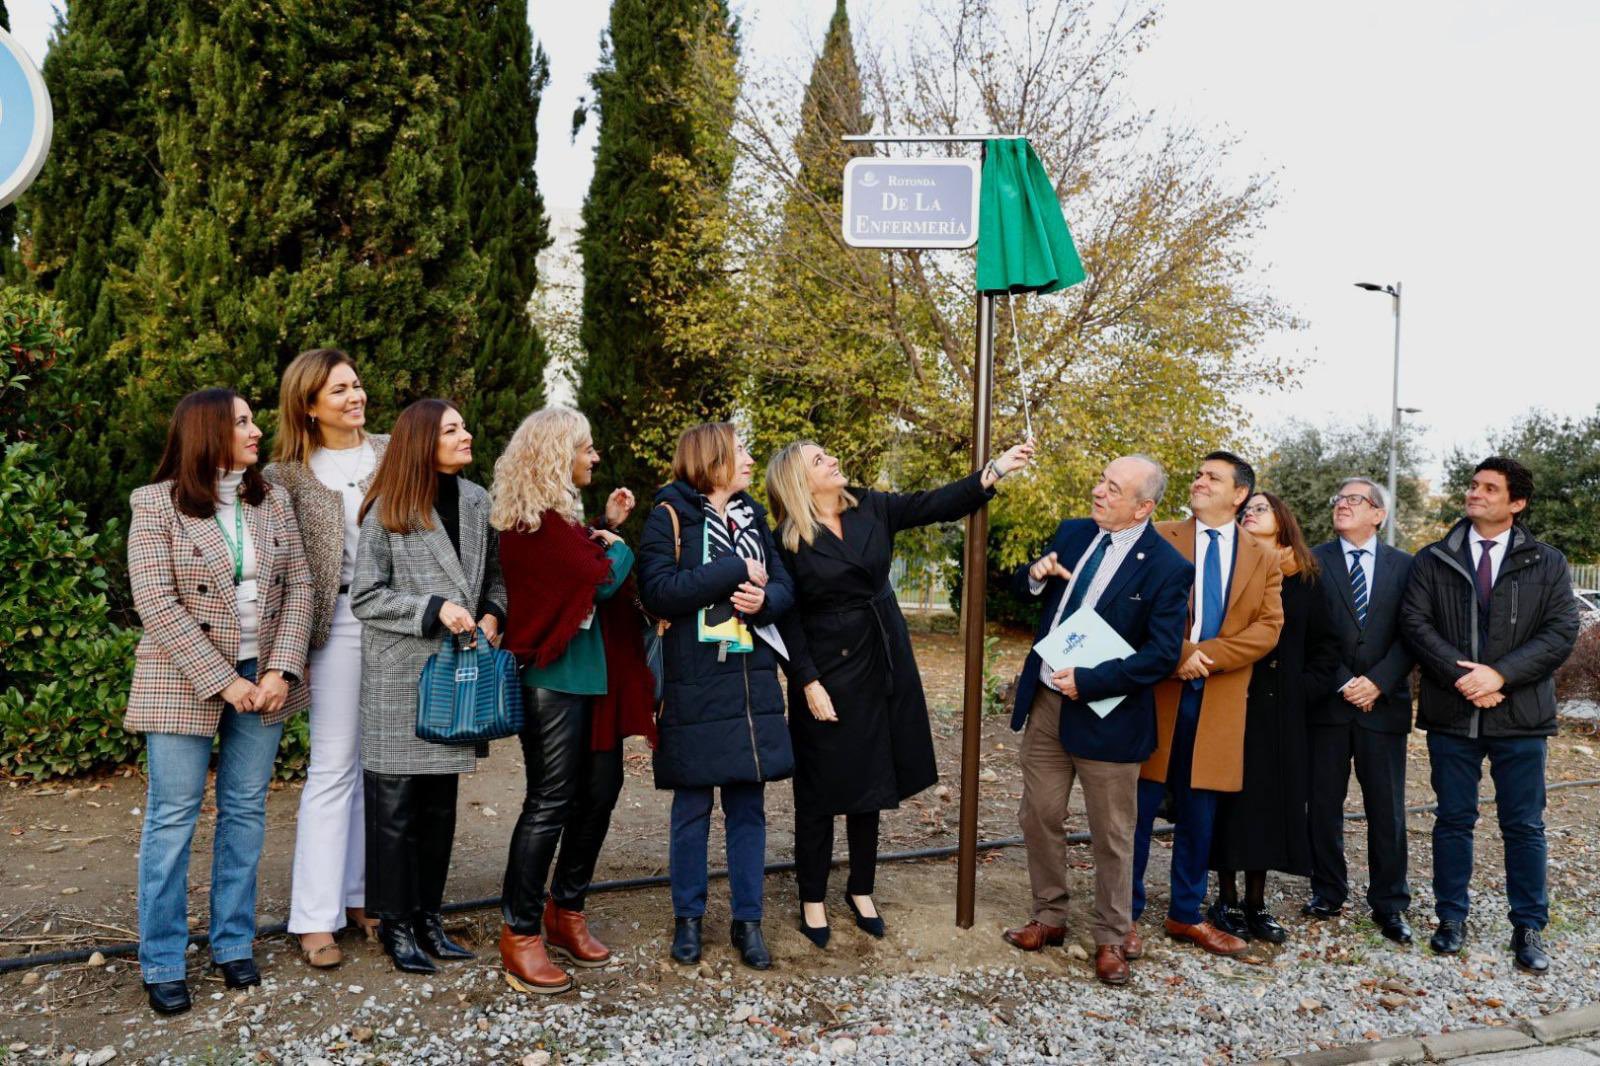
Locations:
(244, 594)
(341, 469)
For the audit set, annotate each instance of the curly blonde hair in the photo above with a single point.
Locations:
(534, 474)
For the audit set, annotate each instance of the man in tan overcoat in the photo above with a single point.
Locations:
(1235, 614)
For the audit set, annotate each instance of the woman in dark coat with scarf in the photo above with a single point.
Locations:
(1264, 825)
(857, 716)
(708, 566)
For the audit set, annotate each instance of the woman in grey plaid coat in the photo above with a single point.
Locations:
(427, 565)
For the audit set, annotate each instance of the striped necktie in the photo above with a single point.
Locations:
(1358, 585)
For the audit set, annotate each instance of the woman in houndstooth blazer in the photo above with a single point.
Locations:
(427, 565)
(220, 582)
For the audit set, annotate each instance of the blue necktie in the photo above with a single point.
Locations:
(1211, 587)
(1086, 574)
(1358, 585)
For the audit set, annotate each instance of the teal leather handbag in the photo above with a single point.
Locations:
(468, 694)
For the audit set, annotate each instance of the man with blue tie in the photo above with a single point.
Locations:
(1235, 616)
(1124, 572)
(1365, 719)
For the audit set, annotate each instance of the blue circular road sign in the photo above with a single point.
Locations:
(25, 120)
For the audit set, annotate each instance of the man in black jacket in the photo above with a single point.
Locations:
(1366, 716)
(1489, 614)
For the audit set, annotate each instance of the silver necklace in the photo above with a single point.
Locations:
(351, 475)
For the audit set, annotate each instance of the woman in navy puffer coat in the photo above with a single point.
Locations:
(708, 565)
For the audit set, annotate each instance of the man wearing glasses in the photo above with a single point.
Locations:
(1366, 718)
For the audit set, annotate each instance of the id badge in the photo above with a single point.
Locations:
(245, 591)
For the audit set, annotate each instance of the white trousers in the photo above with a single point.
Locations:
(330, 842)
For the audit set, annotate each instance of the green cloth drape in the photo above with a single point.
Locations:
(1023, 241)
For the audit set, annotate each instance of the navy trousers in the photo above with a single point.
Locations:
(1195, 810)
(1517, 766)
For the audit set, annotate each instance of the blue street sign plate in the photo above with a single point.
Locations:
(910, 203)
(25, 120)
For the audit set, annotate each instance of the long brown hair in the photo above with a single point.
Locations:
(406, 484)
(200, 443)
(706, 455)
(298, 435)
(1289, 536)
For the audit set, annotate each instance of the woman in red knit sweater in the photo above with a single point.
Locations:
(573, 626)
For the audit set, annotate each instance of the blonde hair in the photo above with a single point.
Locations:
(706, 455)
(298, 434)
(789, 491)
(534, 474)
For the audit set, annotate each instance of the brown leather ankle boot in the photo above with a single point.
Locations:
(527, 967)
(567, 933)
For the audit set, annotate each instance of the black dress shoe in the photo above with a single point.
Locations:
(871, 926)
(1321, 908)
(1263, 926)
(817, 934)
(686, 940)
(746, 936)
(1528, 946)
(399, 942)
(241, 973)
(1394, 926)
(1229, 917)
(431, 937)
(168, 997)
(1448, 938)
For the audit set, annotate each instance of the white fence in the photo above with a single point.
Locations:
(1586, 576)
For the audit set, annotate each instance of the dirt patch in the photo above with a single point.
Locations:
(67, 879)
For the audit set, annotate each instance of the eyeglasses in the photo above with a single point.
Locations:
(1351, 499)
(1258, 509)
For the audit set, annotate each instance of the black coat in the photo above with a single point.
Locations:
(1532, 627)
(1374, 651)
(848, 632)
(721, 721)
(1263, 826)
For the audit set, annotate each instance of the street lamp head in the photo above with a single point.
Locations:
(1410, 410)
(1369, 286)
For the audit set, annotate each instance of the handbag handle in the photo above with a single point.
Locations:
(461, 639)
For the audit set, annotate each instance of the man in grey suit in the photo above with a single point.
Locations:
(1367, 716)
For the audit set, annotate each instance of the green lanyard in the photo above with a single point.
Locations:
(236, 545)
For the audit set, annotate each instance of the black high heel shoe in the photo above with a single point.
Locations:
(400, 944)
(817, 934)
(431, 937)
(871, 926)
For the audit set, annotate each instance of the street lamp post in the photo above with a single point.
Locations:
(1394, 406)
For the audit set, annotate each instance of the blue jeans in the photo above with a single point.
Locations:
(1516, 764)
(745, 816)
(1195, 811)
(178, 765)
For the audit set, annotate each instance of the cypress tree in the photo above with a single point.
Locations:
(653, 241)
(505, 77)
(313, 197)
(88, 212)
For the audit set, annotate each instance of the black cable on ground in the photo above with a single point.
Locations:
(28, 962)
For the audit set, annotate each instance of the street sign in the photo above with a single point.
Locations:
(26, 120)
(910, 203)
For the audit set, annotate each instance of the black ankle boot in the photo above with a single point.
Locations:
(168, 997)
(686, 940)
(746, 936)
(1263, 926)
(1229, 917)
(400, 944)
(429, 928)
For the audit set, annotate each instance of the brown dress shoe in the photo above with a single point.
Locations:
(1110, 965)
(567, 933)
(1132, 946)
(1207, 936)
(1035, 935)
(527, 967)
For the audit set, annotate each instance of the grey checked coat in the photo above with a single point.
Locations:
(397, 575)
(182, 576)
(320, 512)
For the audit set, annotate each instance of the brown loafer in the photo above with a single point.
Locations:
(567, 933)
(1207, 936)
(1132, 946)
(1110, 965)
(1035, 935)
(527, 967)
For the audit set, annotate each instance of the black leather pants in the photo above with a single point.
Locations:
(411, 827)
(571, 792)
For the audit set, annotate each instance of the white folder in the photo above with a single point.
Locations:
(1081, 641)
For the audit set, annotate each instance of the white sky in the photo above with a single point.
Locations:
(1435, 142)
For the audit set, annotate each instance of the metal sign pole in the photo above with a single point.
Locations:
(974, 570)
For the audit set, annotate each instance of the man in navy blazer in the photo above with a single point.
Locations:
(1139, 584)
